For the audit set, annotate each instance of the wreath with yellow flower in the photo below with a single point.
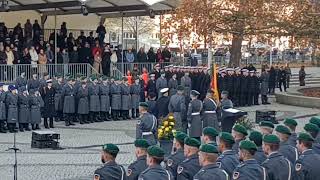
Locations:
(166, 131)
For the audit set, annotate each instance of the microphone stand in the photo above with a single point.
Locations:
(15, 149)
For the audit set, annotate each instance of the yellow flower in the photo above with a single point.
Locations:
(171, 118)
(171, 123)
(165, 123)
(160, 130)
(167, 129)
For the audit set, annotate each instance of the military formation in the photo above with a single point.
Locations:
(272, 153)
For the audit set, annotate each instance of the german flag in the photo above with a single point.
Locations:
(214, 83)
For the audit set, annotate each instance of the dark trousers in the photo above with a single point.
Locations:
(45, 122)
(250, 98)
(94, 116)
(256, 99)
(282, 83)
(69, 118)
(83, 118)
(264, 99)
(244, 99)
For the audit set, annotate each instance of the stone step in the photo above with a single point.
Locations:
(307, 79)
(307, 83)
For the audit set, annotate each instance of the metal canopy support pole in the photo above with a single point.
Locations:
(55, 37)
(122, 47)
(137, 44)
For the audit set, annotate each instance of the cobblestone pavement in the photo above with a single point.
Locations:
(80, 155)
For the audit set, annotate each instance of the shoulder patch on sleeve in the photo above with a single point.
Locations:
(129, 172)
(96, 177)
(169, 162)
(235, 175)
(180, 169)
(298, 166)
(219, 164)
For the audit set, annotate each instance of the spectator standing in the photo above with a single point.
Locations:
(59, 56)
(42, 61)
(101, 31)
(34, 58)
(3, 31)
(288, 74)
(49, 54)
(26, 58)
(90, 39)
(10, 56)
(85, 55)
(282, 79)
(166, 55)
(97, 62)
(159, 56)
(63, 30)
(96, 48)
(17, 55)
(106, 60)
(73, 55)
(151, 55)
(130, 56)
(142, 56)
(65, 56)
(70, 42)
(18, 31)
(28, 30)
(82, 39)
(114, 57)
(302, 76)
(36, 31)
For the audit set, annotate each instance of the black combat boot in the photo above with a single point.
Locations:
(137, 113)
(45, 123)
(51, 123)
(2, 129)
(108, 117)
(21, 127)
(26, 127)
(81, 118)
(72, 119)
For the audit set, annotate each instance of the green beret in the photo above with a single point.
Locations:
(210, 131)
(155, 151)
(271, 138)
(256, 137)
(111, 148)
(283, 130)
(247, 145)
(315, 120)
(305, 137)
(192, 142)
(144, 104)
(266, 124)
(290, 122)
(180, 88)
(310, 127)
(141, 143)
(180, 136)
(240, 129)
(209, 148)
(227, 137)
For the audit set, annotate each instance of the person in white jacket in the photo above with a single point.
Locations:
(34, 57)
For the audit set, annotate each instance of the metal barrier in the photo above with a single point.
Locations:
(8, 73)
(124, 67)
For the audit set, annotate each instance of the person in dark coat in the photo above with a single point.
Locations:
(244, 88)
(237, 87)
(106, 61)
(205, 83)
(209, 113)
(272, 80)
(48, 95)
(172, 85)
(264, 78)
(105, 99)
(162, 104)
(23, 109)
(177, 106)
(36, 103)
(12, 108)
(193, 115)
(251, 88)
(3, 110)
(135, 90)
(151, 86)
(101, 31)
(151, 56)
(142, 56)
(302, 76)
(161, 83)
(83, 102)
(282, 79)
(115, 91)
(85, 55)
(21, 80)
(94, 100)
(68, 96)
(34, 83)
(257, 88)
(74, 55)
(58, 101)
(138, 166)
(152, 103)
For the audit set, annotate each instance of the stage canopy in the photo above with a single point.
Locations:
(103, 8)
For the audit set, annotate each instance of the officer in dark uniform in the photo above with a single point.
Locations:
(277, 166)
(229, 78)
(135, 91)
(177, 107)
(68, 96)
(3, 110)
(313, 130)
(193, 115)
(12, 108)
(237, 87)
(205, 83)
(125, 99)
(209, 113)
(173, 84)
(177, 157)
(58, 101)
(249, 168)
(288, 151)
(291, 124)
(251, 88)
(221, 80)
(94, 100)
(244, 88)
(152, 103)
(24, 110)
(190, 166)
(256, 137)
(257, 88)
(21, 80)
(43, 80)
(83, 103)
(48, 94)
(161, 83)
(110, 169)
(105, 99)
(228, 159)
(147, 125)
(209, 135)
(137, 167)
(239, 133)
(36, 103)
(208, 155)
(154, 170)
(33, 83)
(307, 166)
(162, 104)
(151, 86)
